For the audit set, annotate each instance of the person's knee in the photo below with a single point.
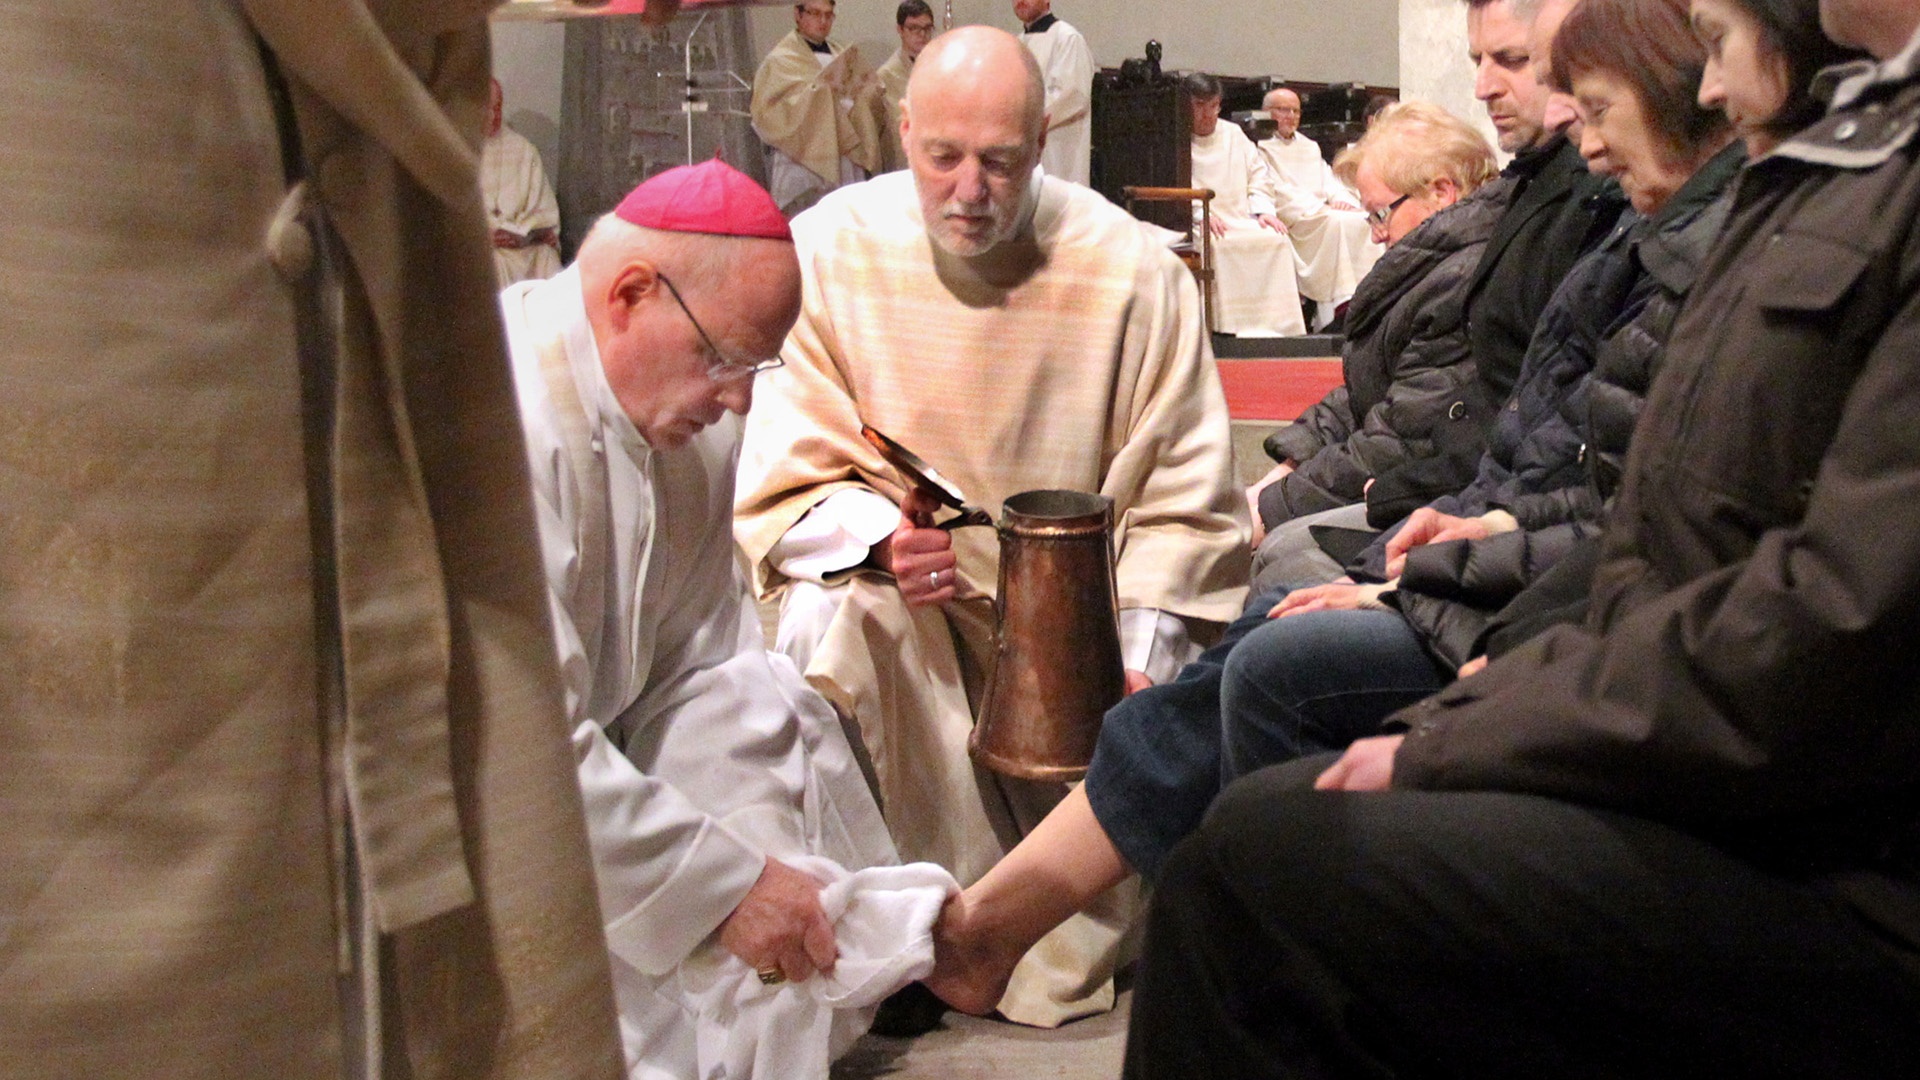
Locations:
(1254, 802)
(807, 609)
(1259, 669)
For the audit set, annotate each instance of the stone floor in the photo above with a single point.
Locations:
(967, 1048)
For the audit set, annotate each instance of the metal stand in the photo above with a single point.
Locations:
(729, 82)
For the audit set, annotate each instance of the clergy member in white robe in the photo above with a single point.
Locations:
(1331, 236)
(1018, 332)
(707, 765)
(817, 107)
(520, 205)
(913, 21)
(1066, 66)
(1255, 276)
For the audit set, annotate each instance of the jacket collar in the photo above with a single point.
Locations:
(1851, 81)
(1531, 162)
(1704, 186)
(1880, 120)
(1041, 24)
(1676, 241)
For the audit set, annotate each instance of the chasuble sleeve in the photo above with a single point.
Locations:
(1182, 530)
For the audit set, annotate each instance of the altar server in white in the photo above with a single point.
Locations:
(520, 205)
(1330, 232)
(1066, 67)
(708, 767)
(1254, 264)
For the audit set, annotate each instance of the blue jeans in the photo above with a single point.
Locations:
(1162, 754)
(1156, 767)
(1313, 683)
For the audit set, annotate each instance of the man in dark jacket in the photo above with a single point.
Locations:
(1554, 211)
(1551, 221)
(1684, 838)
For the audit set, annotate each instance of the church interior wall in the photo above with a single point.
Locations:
(1418, 45)
(1292, 39)
(527, 59)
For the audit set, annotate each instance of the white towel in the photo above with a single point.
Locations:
(883, 924)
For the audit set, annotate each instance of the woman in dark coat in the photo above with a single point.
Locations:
(1406, 355)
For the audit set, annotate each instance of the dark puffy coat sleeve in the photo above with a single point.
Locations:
(1451, 593)
(1758, 667)
(1427, 373)
(1326, 422)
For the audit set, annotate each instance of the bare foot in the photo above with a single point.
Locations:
(970, 969)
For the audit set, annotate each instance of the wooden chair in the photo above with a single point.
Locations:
(1199, 256)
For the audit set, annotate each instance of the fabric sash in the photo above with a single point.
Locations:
(589, 480)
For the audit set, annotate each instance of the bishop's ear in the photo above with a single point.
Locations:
(636, 282)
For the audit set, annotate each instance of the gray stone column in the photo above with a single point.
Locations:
(1433, 59)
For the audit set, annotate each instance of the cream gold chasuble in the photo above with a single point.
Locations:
(1071, 356)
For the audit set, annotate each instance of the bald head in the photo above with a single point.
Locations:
(973, 125)
(1283, 105)
(981, 68)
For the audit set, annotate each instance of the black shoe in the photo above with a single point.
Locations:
(912, 1010)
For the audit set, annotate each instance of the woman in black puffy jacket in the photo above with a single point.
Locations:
(1406, 355)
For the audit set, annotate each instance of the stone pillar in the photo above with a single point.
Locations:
(1433, 59)
(621, 119)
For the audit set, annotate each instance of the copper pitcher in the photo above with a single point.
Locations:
(1056, 654)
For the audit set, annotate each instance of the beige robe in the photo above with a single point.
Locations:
(798, 114)
(1071, 356)
(1334, 247)
(1255, 273)
(893, 90)
(518, 198)
(180, 875)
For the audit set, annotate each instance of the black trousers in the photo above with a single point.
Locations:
(1415, 934)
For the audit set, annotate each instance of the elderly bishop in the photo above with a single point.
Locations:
(720, 792)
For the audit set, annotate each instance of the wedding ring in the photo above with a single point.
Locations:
(933, 579)
(772, 976)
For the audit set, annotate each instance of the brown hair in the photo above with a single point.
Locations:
(1650, 44)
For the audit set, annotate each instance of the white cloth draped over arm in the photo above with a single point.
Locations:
(835, 536)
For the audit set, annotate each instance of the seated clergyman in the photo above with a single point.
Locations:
(1016, 332)
(520, 203)
(1322, 214)
(1254, 265)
